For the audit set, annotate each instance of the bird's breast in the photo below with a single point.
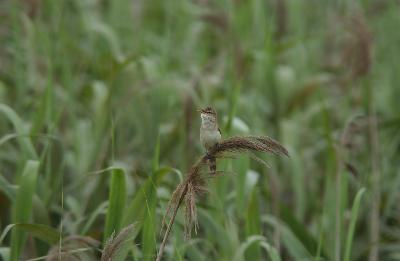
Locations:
(209, 138)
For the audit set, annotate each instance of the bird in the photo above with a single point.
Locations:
(210, 134)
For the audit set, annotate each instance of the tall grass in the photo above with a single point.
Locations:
(23, 206)
(98, 122)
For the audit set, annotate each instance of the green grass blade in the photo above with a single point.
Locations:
(149, 225)
(298, 229)
(44, 113)
(116, 203)
(253, 225)
(100, 210)
(23, 206)
(149, 232)
(7, 188)
(352, 225)
(25, 142)
(156, 157)
(294, 246)
(233, 104)
(40, 231)
(189, 249)
(136, 211)
(40, 212)
(243, 190)
(217, 234)
(251, 241)
(272, 252)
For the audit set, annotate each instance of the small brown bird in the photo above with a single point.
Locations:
(210, 134)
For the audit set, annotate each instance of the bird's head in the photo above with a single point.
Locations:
(208, 116)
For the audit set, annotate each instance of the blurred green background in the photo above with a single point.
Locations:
(98, 125)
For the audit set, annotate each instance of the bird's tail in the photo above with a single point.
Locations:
(212, 162)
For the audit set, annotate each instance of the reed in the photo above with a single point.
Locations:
(195, 183)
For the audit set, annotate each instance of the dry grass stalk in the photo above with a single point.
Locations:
(281, 19)
(195, 183)
(115, 243)
(357, 53)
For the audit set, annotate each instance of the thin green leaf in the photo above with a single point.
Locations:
(218, 235)
(23, 206)
(24, 142)
(40, 231)
(239, 254)
(295, 247)
(253, 225)
(352, 225)
(188, 248)
(101, 209)
(116, 203)
(241, 166)
(149, 233)
(156, 157)
(298, 229)
(136, 212)
(9, 190)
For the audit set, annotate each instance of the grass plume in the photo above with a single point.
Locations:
(357, 53)
(195, 183)
(115, 244)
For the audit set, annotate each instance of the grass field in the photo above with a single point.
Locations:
(99, 126)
